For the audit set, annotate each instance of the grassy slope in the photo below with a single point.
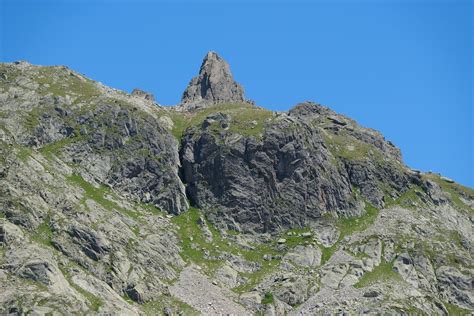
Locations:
(456, 192)
(246, 119)
(197, 249)
(381, 273)
(195, 246)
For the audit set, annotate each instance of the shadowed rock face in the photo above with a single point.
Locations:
(214, 83)
(293, 167)
(290, 168)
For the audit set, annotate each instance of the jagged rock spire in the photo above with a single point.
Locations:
(214, 83)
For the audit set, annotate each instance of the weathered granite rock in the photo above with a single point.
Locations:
(456, 287)
(435, 192)
(214, 83)
(93, 244)
(305, 256)
(143, 94)
(297, 171)
(227, 276)
(10, 233)
(86, 171)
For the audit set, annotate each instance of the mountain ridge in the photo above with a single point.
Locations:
(111, 203)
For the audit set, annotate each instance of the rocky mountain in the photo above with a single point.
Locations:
(113, 204)
(214, 83)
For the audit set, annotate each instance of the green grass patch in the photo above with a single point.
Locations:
(194, 247)
(233, 232)
(327, 252)
(412, 310)
(2, 254)
(54, 148)
(254, 278)
(455, 190)
(456, 310)
(349, 226)
(268, 298)
(43, 233)
(409, 199)
(381, 273)
(455, 237)
(346, 146)
(246, 119)
(94, 301)
(152, 209)
(157, 307)
(193, 243)
(99, 195)
(59, 82)
(23, 153)
(9, 74)
(32, 118)
(294, 237)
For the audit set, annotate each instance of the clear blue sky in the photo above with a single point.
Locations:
(402, 67)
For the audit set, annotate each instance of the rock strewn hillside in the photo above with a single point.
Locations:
(299, 212)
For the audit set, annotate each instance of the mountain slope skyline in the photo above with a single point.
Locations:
(202, 85)
(111, 204)
(404, 68)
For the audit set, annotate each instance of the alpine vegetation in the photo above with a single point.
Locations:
(113, 204)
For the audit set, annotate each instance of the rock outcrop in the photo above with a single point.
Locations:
(214, 83)
(298, 167)
(293, 213)
(143, 94)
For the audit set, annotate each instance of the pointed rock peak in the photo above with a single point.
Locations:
(211, 56)
(214, 84)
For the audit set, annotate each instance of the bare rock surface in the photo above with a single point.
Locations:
(214, 83)
(111, 204)
(305, 256)
(196, 290)
(143, 94)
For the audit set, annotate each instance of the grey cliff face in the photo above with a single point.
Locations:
(111, 204)
(111, 139)
(214, 83)
(291, 167)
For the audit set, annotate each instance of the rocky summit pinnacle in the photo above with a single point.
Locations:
(214, 84)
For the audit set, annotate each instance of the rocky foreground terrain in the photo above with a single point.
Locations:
(113, 204)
